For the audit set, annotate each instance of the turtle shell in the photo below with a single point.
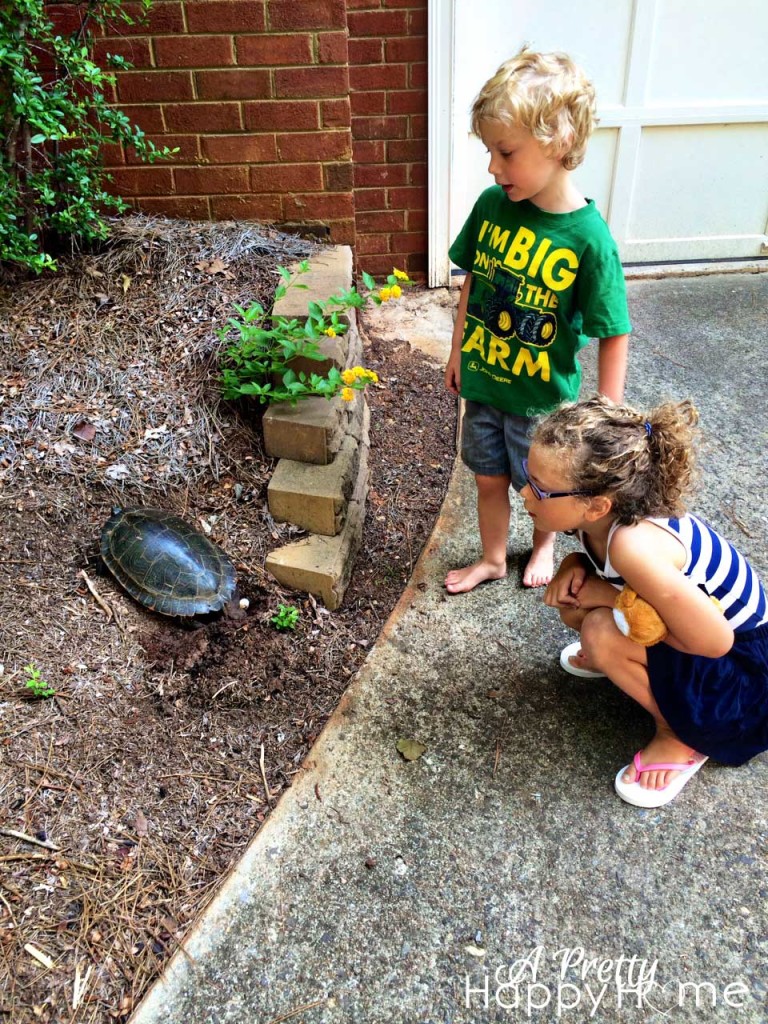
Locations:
(165, 563)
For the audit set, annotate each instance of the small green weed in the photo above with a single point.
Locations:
(34, 682)
(286, 617)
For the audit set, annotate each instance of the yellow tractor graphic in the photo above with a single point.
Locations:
(504, 316)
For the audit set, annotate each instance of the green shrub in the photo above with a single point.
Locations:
(54, 126)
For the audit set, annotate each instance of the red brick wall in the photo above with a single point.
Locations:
(309, 112)
(388, 90)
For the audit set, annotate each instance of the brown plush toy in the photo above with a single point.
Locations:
(637, 619)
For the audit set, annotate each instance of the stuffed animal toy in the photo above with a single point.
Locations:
(637, 619)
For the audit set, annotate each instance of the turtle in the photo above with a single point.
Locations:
(165, 563)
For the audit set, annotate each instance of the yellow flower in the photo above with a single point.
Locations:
(400, 274)
(347, 394)
(385, 294)
(359, 373)
(330, 332)
(396, 290)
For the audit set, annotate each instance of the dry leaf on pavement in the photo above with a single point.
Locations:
(410, 749)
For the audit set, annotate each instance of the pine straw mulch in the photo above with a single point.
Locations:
(127, 796)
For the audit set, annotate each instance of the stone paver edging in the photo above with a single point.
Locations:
(320, 483)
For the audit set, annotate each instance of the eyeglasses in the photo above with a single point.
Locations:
(553, 494)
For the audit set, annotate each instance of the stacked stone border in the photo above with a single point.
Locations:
(320, 483)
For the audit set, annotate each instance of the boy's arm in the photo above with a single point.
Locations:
(453, 369)
(612, 366)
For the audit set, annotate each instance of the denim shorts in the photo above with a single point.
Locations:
(494, 443)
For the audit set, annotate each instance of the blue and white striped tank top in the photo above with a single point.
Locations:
(712, 564)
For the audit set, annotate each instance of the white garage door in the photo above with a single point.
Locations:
(679, 163)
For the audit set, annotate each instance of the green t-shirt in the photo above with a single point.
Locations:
(543, 284)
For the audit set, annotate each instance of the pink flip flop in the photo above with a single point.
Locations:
(634, 793)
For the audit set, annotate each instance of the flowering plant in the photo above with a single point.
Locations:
(257, 361)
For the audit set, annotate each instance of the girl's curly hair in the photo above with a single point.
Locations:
(644, 461)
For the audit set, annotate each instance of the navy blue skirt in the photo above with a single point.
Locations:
(718, 706)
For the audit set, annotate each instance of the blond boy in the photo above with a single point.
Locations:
(543, 277)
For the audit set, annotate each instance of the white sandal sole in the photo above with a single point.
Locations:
(584, 673)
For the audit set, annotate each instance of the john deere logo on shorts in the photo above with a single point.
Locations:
(473, 365)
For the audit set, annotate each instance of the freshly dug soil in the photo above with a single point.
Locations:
(126, 795)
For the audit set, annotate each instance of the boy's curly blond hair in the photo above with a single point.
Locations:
(548, 95)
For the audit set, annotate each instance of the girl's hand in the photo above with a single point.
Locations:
(563, 591)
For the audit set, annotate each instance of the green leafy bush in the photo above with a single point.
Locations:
(257, 362)
(54, 125)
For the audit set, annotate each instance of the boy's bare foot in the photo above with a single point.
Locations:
(664, 748)
(460, 581)
(540, 568)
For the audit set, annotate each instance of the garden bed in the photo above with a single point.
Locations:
(125, 797)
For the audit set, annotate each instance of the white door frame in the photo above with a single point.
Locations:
(440, 57)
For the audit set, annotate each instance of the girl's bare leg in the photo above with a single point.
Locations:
(574, 617)
(493, 511)
(625, 663)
